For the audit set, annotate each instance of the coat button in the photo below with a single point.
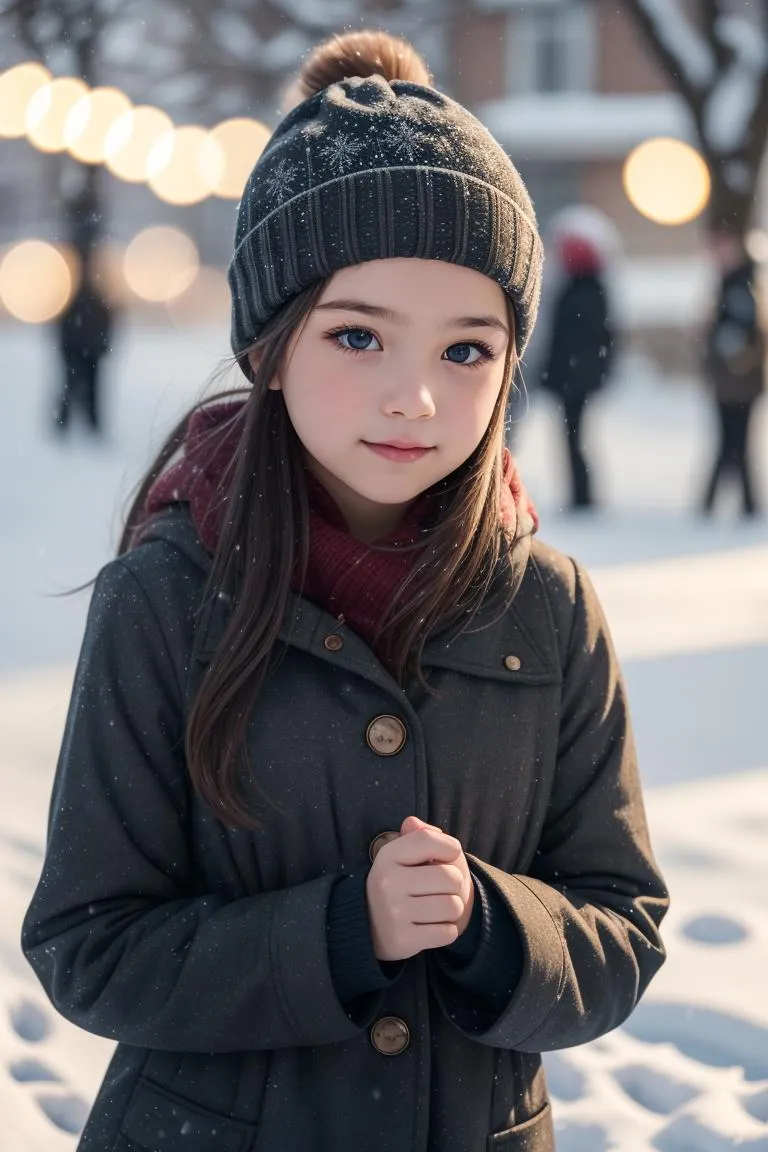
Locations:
(390, 1036)
(378, 843)
(512, 663)
(333, 642)
(386, 735)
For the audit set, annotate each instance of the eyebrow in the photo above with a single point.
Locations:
(399, 318)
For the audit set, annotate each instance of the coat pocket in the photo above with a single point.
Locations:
(159, 1121)
(534, 1135)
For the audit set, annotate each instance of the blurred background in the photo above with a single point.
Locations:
(127, 131)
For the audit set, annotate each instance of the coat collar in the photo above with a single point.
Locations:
(516, 645)
(498, 644)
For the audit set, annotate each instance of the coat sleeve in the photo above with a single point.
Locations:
(118, 932)
(588, 912)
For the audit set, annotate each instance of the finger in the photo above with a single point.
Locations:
(436, 935)
(422, 847)
(434, 880)
(434, 909)
(414, 824)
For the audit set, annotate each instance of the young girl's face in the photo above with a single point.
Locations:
(392, 381)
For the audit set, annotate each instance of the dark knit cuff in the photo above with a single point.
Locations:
(355, 969)
(465, 946)
(494, 969)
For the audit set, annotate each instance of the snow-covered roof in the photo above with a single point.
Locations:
(583, 125)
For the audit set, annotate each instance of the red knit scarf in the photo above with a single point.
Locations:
(346, 576)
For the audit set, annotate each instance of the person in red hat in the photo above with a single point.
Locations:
(581, 341)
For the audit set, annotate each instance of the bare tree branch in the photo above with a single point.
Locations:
(711, 12)
(729, 104)
(683, 53)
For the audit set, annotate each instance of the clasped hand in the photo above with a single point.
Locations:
(419, 892)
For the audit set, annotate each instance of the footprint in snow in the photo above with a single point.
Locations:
(717, 930)
(29, 1022)
(753, 823)
(687, 1134)
(28, 847)
(757, 1106)
(715, 1039)
(68, 1113)
(30, 1071)
(564, 1080)
(654, 1091)
(694, 858)
(575, 1137)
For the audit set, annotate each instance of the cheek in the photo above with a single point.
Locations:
(321, 394)
(474, 405)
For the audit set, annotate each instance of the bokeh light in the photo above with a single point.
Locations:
(131, 139)
(36, 281)
(185, 165)
(206, 301)
(17, 87)
(756, 243)
(160, 263)
(48, 110)
(242, 141)
(89, 121)
(667, 181)
(108, 272)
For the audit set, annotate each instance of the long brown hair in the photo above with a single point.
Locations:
(262, 554)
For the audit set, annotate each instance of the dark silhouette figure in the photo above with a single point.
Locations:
(580, 351)
(84, 330)
(734, 365)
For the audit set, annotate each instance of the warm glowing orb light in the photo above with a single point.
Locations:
(89, 121)
(160, 263)
(241, 141)
(185, 165)
(17, 87)
(131, 139)
(667, 181)
(48, 109)
(36, 281)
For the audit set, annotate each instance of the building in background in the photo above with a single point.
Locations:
(567, 86)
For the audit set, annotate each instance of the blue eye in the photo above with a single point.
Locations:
(463, 353)
(356, 339)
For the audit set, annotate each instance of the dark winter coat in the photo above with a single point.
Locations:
(735, 350)
(85, 326)
(203, 950)
(581, 340)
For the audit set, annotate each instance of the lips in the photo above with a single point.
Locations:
(404, 444)
(402, 451)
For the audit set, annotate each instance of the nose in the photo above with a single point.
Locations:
(409, 397)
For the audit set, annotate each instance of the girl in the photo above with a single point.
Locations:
(347, 826)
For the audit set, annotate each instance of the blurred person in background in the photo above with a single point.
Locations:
(579, 352)
(83, 335)
(734, 368)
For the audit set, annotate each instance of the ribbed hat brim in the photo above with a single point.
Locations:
(414, 211)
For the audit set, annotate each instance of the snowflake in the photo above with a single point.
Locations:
(403, 141)
(340, 153)
(279, 183)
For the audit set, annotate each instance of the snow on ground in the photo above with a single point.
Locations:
(688, 605)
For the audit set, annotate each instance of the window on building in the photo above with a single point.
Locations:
(551, 47)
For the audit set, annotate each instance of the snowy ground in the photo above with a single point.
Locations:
(688, 603)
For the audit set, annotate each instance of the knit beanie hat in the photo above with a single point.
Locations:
(369, 169)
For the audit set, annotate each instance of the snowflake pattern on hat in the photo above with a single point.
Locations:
(353, 161)
(280, 181)
(340, 152)
(402, 141)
